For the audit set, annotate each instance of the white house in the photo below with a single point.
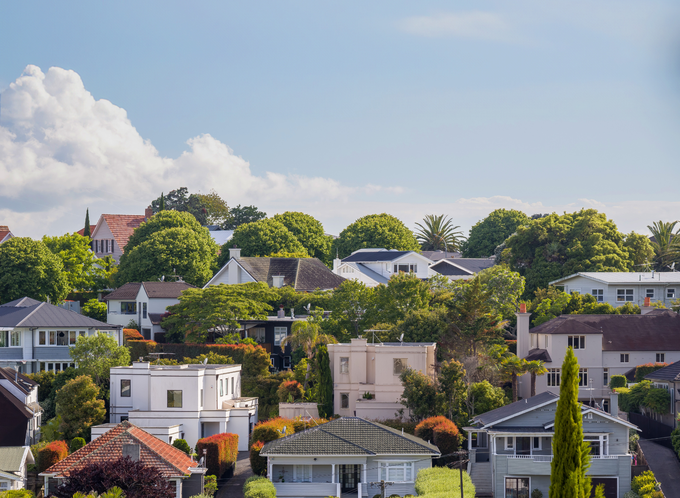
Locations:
(143, 302)
(619, 288)
(5, 234)
(112, 231)
(20, 412)
(366, 379)
(14, 462)
(202, 400)
(376, 266)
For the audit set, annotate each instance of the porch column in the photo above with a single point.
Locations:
(47, 486)
(270, 469)
(178, 488)
(363, 474)
(339, 493)
(332, 472)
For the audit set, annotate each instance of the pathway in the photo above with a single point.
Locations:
(233, 487)
(665, 465)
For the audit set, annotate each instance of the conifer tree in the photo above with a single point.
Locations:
(325, 386)
(86, 231)
(161, 206)
(571, 454)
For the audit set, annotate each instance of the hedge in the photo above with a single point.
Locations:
(258, 464)
(618, 381)
(446, 438)
(259, 487)
(54, 452)
(222, 451)
(131, 335)
(440, 482)
(272, 429)
(141, 348)
(77, 443)
(647, 368)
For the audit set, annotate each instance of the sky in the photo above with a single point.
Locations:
(340, 109)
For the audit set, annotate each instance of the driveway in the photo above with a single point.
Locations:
(233, 487)
(665, 465)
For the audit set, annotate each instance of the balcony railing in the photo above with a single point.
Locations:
(548, 458)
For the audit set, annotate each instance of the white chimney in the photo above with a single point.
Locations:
(292, 312)
(523, 338)
(614, 404)
(234, 252)
(277, 281)
(336, 264)
(281, 313)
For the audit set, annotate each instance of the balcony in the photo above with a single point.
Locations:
(540, 464)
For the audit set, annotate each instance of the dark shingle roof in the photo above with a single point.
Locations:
(670, 373)
(438, 255)
(349, 436)
(374, 256)
(463, 266)
(18, 379)
(538, 354)
(46, 315)
(651, 332)
(303, 274)
(515, 408)
(125, 291)
(166, 290)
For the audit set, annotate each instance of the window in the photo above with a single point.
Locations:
(344, 400)
(396, 471)
(41, 338)
(623, 295)
(200, 399)
(605, 377)
(537, 443)
(660, 357)
(258, 334)
(509, 443)
(53, 337)
(575, 291)
(406, 268)
(221, 388)
(553, 377)
(577, 341)
(344, 365)
(670, 293)
(279, 334)
(286, 362)
(232, 386)
(649, 293)
(72, 336)
(144, 310)
(4, 486)
(4, 338)
(583, 377)
(174, 399)
(128, 308)
(400, 364)
(302, 473)
(598, 294)
(62, 338)
(226, 386)
(546, 341)
(15, 338)
(516, 487)
(125, 388)
(598, 444)
(624, 358)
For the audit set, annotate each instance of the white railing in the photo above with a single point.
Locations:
(548, 458)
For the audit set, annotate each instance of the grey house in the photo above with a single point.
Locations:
(511, 448)
(668, 378)
(36, 336)
(344, 458)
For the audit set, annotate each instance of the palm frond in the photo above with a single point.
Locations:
(438, 233)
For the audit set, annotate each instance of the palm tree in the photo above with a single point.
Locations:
(439, 233)
(515, 367)
(666, 244)
(305, 334)
(535, 367)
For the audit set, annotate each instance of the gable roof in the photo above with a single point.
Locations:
(650, 332)
(437, 255)
(121, 226)
(24, 313)
(632, 278)
(11, 402)
(514, 409)
(155, 290)
(21, 302)
(462, 266)
(11, 457)
(82, 230)
(153, 452)
(669, 373)
(349, 436)
(5, 233)
(124, 292)
(538, 354)
(377, 255)
(373, 275)
(19, 380)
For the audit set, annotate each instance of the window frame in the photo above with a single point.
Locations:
(277, 335)
(583, 377)
(555, 375)
(624, 358)
(344, 364)
(407, 467)
(124, 388)
(14, 337)
(509, 443)
(650, 294)
(625, 293)
(660, 357)
(576, 341)
(598, 294)
(403, 362)
(286, 362)
(533, 443)
(605, 376)
(670, 293)
(128, 307)
(145, 309)
(505, 484)
(344, 397)
(303, 479)
(175, 397)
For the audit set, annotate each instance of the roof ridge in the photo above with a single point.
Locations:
(297, 272)
(395, 432)
(150, 449)
(345, 440)
(36, 308)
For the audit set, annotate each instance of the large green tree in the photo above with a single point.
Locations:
(96, 354)
(262, 238)
(29, 268)
(78, 407)
(484, 397)
(241, 215)
(372, 231)
(79, 262)
(640, 252)
(403, 294)
(490, 232)
(421, 395)
(181, 200)
(351, 308)
(438, 233)
(309, 232)
(571, 454)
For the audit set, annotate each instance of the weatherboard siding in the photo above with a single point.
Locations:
(52, 353)
(16, 353)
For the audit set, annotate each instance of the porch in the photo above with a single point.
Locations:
(319, 480)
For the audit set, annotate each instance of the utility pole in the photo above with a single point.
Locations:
(383, 485)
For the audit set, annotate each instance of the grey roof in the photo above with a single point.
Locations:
(155, 290)
(437, 255)
(18, 379)
(303, 274)
(463, 266)
(375, 256)
(513, 409)
(125, 291)
(11, 458)
(350, 436)
(538, 354)
(46, 315)
(369, 273)
(21, 302)
(669, 373)
(637, 278)
(156, 318)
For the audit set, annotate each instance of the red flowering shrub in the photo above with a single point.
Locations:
(446, 438)
(424, 430)
(54, 452)
(290, 389)
(257, 463)
(131, 334)
(222, 451)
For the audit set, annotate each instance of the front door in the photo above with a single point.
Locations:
(349, 477)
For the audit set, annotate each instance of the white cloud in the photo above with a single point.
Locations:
(478, 25)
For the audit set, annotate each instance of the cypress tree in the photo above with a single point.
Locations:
(86, 232)
(571, 454)
(161, 205)
(325, 388)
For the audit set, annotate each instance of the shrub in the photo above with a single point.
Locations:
(446, 438)
(182, 445)
(210, 485)
(424, 430)
(258, 464)
(258, 487)
(290, 390)
(396, 423)
(647, 368)
(537, 493)
(77, 443)
(17, 493)
(140, 348)
(272, 429)
(437, 482)
(624, 398)
(675, 439)
(618, 381)
(300, 425)
(644, 484)
(131, 335)
(52, 453)
(657, 400)
(222, 451)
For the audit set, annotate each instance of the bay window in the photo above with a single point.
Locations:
(396, 471)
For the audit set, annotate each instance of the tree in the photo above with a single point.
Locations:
(640, 252)
(217, 211)
(96, 354)
(571, 454)
(28, 268)
(452, 385)
(348, 306)
(94, 309)
(505, 288)
(309, 232)
(216, 309)
(439, 234)
(325, 382)
(423, 325)
(403, 294)
(241, 215)
(161, 204)
(372, 231)
(261, 238)
(490, 232)
(665, 244)
(534, 368)
(135, 479)
(79, 262)
(78, 407)
(86, 230)
(420, 395)
(306, 335)
(483, 397)
(180, 200)
(514, 367)
(163, 221)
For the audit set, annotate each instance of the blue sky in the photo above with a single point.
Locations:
(341, 109)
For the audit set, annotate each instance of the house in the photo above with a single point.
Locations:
(143, 302)
(81, 232)
(269, 333)
(36, 336)
(619, 288)
(21, 413)
(510, 448)
(14, 462)
(376, 266)
(366, 379)
(438, 255)
(5, 234)
(302, 274)
(202, 399)
(605, 345)
(461, 268)
(346, 457)
(668, 378)
(112, 231)
(127, 440)
(218, 235)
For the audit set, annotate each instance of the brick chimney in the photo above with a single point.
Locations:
(148, 213)
(647, 307)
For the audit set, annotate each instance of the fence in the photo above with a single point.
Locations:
(651, 429)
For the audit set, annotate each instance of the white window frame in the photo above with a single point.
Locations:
(346, 395)
(650, 292)
(605, 376)
(574, 339)
(540, 443)
(505, 486)
(660, 357)
(344, 364)
(598, 294)
(546, 341)
(582, 377)
(555, 374)
(511, 445)
(15, 334)
(625, 294)
(625, 358)
(4, 485)
(670, 293)
(301, 467)
(384, 468)
(277, 335)
(411, 268)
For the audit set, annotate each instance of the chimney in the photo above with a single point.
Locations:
(281, 313)
(234, 253)
(132, 451)
(148, 213)
(647, 307)
(523, 338)
(277, 281)
(614, 404)
(336, 264)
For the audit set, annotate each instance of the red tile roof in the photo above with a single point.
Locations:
(153, 452)
(122, 226)
(4, 232)
(82, 230)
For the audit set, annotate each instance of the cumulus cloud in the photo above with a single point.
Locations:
(478, 25)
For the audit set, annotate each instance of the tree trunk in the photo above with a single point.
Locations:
(533, 384)
(514, 387)
(309, 368)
